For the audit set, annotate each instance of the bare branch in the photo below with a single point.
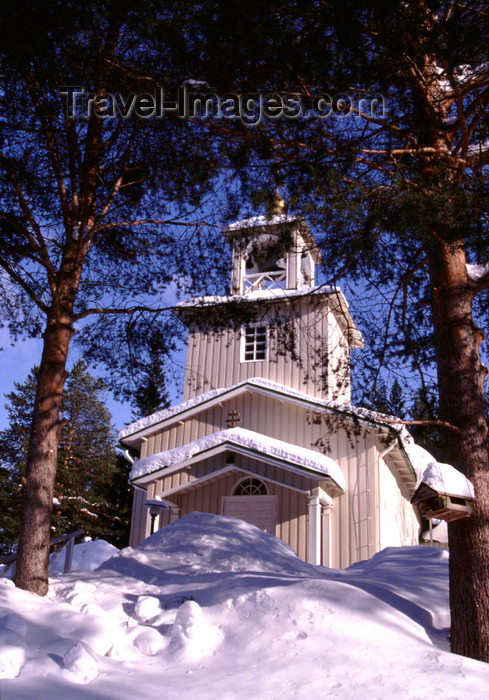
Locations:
(36, 241)
(438, 423)
(405, 282)
(50, 141)
(167, 222)
(23, 284)
(101, 311)
(117, 184)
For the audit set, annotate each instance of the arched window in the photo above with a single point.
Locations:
(250, 487)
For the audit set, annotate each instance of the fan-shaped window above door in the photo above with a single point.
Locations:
(250, 487)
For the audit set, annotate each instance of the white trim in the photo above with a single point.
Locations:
(221, 472)
(304, 492)
(260, 281)
(246, 478)
(147, 523)
(196, 482)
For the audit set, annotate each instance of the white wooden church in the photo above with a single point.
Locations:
(266, 431)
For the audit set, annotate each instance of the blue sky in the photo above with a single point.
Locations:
(17, 361)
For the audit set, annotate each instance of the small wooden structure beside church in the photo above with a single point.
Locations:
(266, 431)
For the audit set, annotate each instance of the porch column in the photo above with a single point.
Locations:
(147, 523)
(327, 516)
(314, 531)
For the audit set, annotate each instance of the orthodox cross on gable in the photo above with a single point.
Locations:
(234, 418)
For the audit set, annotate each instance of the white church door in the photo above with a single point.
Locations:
(253, 504)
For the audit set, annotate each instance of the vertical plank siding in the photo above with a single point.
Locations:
(320, 347)
(356, 516)
(308, 346)
(398, 525)
(359, 517)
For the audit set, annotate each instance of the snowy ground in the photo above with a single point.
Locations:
(211, 607)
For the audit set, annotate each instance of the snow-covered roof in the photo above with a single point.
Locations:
(340, 303)
(301, 457)
(262, 221)
(441, 477)
(258, 295)
(254, 384)
(246, 229)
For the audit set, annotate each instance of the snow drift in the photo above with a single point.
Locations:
(212, 607)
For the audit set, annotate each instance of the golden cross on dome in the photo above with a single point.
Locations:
(234, 418)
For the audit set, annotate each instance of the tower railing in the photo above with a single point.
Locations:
(265, 280)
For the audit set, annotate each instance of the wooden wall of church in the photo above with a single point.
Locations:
(301, 358)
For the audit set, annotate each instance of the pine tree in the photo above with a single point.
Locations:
(90, 206)
(13, 456)
(397, 400)
(394, 169)
(391, 402)
(378, 399)
(91, 489)
(151, 394)
(425, 409)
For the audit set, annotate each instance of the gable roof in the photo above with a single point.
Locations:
(145, 427)
(247, 442)
(408, 459)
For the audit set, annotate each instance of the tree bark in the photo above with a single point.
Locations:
(461, 376)
(38, 490)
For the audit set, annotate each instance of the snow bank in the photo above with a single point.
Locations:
(210, 607)
(207, 544)
(80, 664)
(87, 556)
(12, 653)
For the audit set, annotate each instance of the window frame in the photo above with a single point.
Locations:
(241, 482)
(246, 331)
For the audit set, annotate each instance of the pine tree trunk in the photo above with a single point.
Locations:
(460, 381)
(38, 488)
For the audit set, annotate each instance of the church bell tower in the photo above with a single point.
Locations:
(278, 254)
(276, 323)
